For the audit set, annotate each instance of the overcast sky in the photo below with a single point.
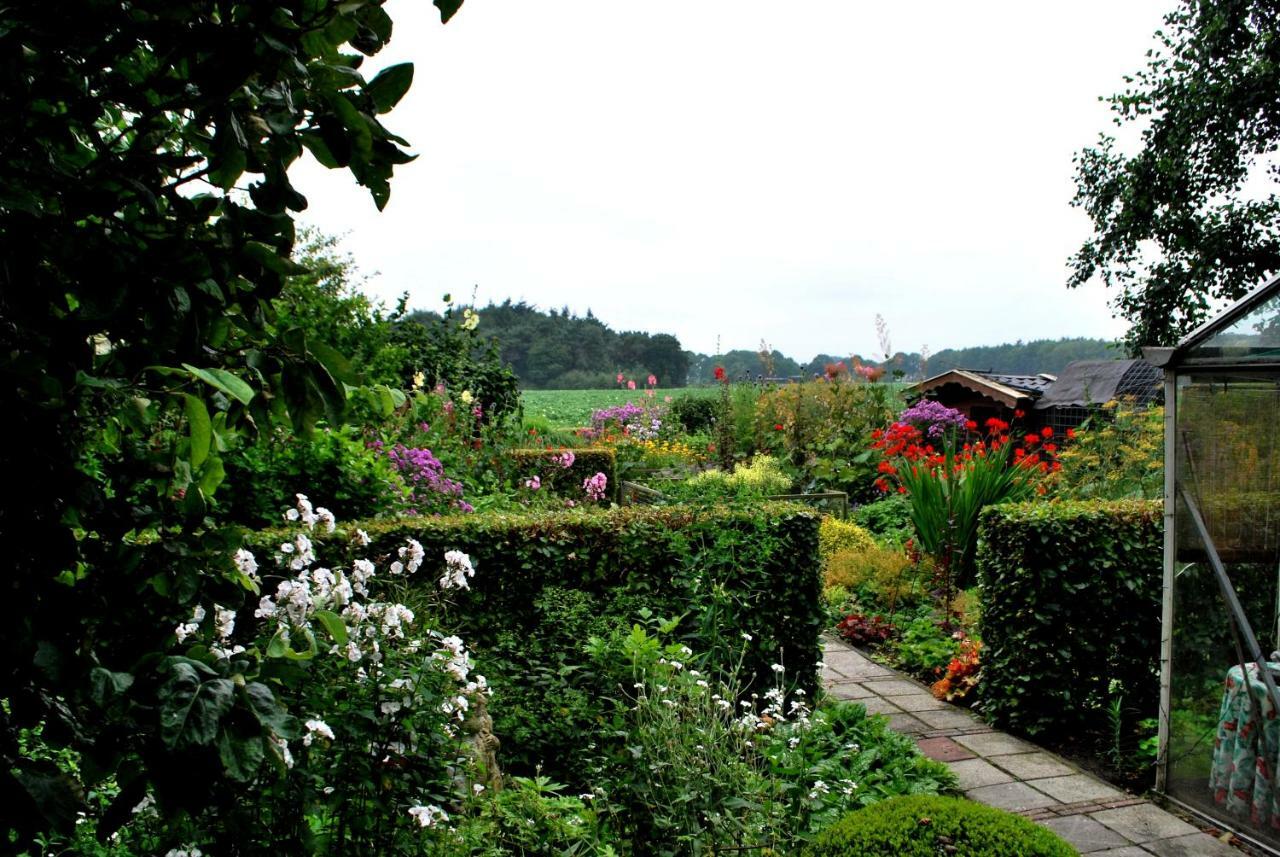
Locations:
(746, 170)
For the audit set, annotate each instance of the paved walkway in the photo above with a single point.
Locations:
(1007, 772)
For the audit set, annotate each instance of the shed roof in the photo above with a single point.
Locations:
(1093, 382)
(1010, 390)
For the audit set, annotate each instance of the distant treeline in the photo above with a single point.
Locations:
(1014, 358)
(558, 350)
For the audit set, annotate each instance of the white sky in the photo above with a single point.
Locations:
(749, 170)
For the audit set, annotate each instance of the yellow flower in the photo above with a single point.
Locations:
(466, 397)
(418, 380)
(470, 321)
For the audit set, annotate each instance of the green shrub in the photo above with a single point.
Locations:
(926, 826)
(587, 462)
(888, 519)
(696, 414)
(341, 473)
(547, 582)
(1071, 603)
(761, 478)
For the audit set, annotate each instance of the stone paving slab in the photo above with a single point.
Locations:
(996, 744)
(906, 724)
(1076, 788)
(849, 690)
(876, 705)
(947, 718)
(1014, 796)
(894, 687)
(1032, 766)
(943, 749)
(976, 773)
(1086, 834)
(1144, 822)
(1192, 845)
(918, 702)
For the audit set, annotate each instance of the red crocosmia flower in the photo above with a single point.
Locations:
(970, 425)
(1071, 434)
(1050, 447)
(902, 489)
(1057, 465)
(719, 373)
(777, 426)
(1019, 414)
(1019, 452)
(1032, 440)
(1047, 431)
(877, 434)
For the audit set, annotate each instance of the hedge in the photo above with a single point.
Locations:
(587, 462)
(835, 535)
(546, 583)
(927, 825)
(1070, 603)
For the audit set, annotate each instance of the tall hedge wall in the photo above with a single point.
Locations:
(546, 583)
(1071, 601)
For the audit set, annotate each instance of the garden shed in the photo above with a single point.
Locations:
(1085, 385)
(1218, 726)
(982, 395)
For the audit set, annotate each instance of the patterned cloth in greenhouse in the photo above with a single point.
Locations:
(1243, 773)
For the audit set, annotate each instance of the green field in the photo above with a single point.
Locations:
(573, 408)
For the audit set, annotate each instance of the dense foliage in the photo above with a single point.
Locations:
(1071, 615)
(147, 218)
(1191, 218)
(927, 826)
(552, 581)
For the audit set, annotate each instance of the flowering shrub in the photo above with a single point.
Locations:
(761, 478)
(430, 490)
(962, 674)
(933, 418)
(595, 487)
(377, 699)
(948, 485)
(1117, 454)
(643, 422)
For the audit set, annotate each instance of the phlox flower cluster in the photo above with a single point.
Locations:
(634, 420)
(564, 459)
(596, 486)
(933, 418)
(425, 476)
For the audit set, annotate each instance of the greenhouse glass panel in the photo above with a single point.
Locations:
(1223, 726)
(1254, 336)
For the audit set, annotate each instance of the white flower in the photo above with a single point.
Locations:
(428, 816)
(316, 727)
(397, 567)
(291, 515)
(187, 851)
(747, 636)
(477, 788)
(326, 517)
(362, 571)
(224, 621)
(412, 554)
(457, 569)
(362, 538)
(186, 629)
(282, 748)
(266, 608)
(778, 668)
(247, 564)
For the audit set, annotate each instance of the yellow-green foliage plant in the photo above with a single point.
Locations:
(762, 477)
(1117, 454)
(835, 535)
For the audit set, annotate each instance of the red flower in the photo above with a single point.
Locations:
(719, 373)
(1050, 447)
(970, 425)
(777, 426)
(1019, 414)
(1071, 434)
(1047, 431)
(1032, 440)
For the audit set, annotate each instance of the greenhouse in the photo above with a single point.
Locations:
(1219, 733)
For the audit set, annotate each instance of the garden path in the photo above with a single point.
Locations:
(1007, 772)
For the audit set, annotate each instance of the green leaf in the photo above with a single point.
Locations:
(241, 755)
(221, 379)
(201, 430)
(269, 712)
(212, 477)
(105, 685)
(190, 708)
(390, 85)
(334, 625)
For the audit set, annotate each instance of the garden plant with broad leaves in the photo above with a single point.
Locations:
(147, 223)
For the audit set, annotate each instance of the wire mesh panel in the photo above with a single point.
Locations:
(1224, 722)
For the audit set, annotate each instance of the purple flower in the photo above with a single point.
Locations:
(933, 418)
(595, 486)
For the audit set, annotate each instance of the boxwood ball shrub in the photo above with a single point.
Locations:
(1071, 605)
(741, 586)
(929, 825)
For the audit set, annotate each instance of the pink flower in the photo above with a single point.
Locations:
(595, 486)
(653, 380)
(533, 484)
(620, 378)
(631, 385)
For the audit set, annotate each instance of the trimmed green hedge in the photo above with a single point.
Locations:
(1070, 603)
(546, 583)
(587, 462)
(926, 826)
